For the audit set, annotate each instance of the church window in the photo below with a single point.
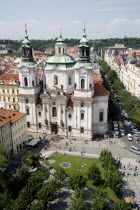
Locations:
(53, 102)
(13, 99)
(26, 101)
(82, 104)
(39, 113)
(59, 50)
(69, 116)
(54, 112)
(39, 125)
(28, 124)
(82, 130)
(33, 83)
(55, 80)
(63, 51)
(101, 116)
(25, 81)
(82, 116)
(70, 129)
(61, 87)
(69, 80)
(82, 84)
(27, 111)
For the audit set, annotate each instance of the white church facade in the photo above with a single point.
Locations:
(68, 102)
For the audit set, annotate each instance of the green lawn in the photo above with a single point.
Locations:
(83, 164)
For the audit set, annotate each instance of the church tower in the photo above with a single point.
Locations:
(29, 87)
(84, 82)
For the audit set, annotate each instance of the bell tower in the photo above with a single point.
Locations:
(29, 87)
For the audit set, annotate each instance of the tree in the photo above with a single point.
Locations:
(106, 158)
(77, 201)
(77, 181)
(113, 107)
(99, 201)
(94, 174)
(121, 205)
(60, 174)
(113, 180)
(112, 76)
(31, 159)
(3, 157)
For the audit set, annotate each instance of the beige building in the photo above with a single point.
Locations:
(9, 90)
(5, 133)
(18, 128)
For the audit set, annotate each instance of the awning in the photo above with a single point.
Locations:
(33, 142)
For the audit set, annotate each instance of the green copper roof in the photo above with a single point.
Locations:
(27, 64)
(61, 62)
(85, 65)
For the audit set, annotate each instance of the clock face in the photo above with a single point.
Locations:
(83, 71)
(25, 70)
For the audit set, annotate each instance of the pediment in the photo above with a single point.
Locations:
(83, 71)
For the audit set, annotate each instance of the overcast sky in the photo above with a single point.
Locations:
(103, 18)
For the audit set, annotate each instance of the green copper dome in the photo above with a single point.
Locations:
(61, 62)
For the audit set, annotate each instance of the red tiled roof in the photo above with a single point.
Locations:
(5, 78)
(11, 115)
(97, 79)
(99, 89)
(3, 120)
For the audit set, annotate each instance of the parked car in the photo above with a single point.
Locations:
(137, 134)
(129, 137)
(135, 150)
(122, 132)
(134, 130)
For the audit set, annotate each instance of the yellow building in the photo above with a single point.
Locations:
(8, 91)
(18, 128)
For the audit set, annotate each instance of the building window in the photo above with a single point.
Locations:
(27, 111)
(13, 91)
(8, 99)
(3, 98)
(70, 129)
(69, 80)
(33, 83)
(59, 50)
(0, 98)
(39, 113)
(17, 91)
(55, 80)
(54, 112)
(82, 116)
(25, 81)
(9, 106)
(8, 91)
(13, 99)
(82, 130)
(82, 84)
(3, 91)
(101, 116)
(26, 100)
(39, 125)
(14, 107)
(28, 124)
(63, 51)
(82, 104)
(69, 116)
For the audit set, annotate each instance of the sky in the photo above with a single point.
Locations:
(44, 18)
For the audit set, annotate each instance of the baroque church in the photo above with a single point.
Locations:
(68, 102)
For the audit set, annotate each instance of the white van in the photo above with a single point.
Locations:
(129, 137)
(135, 150)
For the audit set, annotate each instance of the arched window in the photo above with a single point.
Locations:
(26, 100)
(28, 124)
(54, 112)
(69, 80)
(39, 125)
(82, 116)
(33, 83)
(70, 129)
(82, 84)
(101, 116)
(59, 50)
(82, 104)
(55, 80)
(25, 81)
